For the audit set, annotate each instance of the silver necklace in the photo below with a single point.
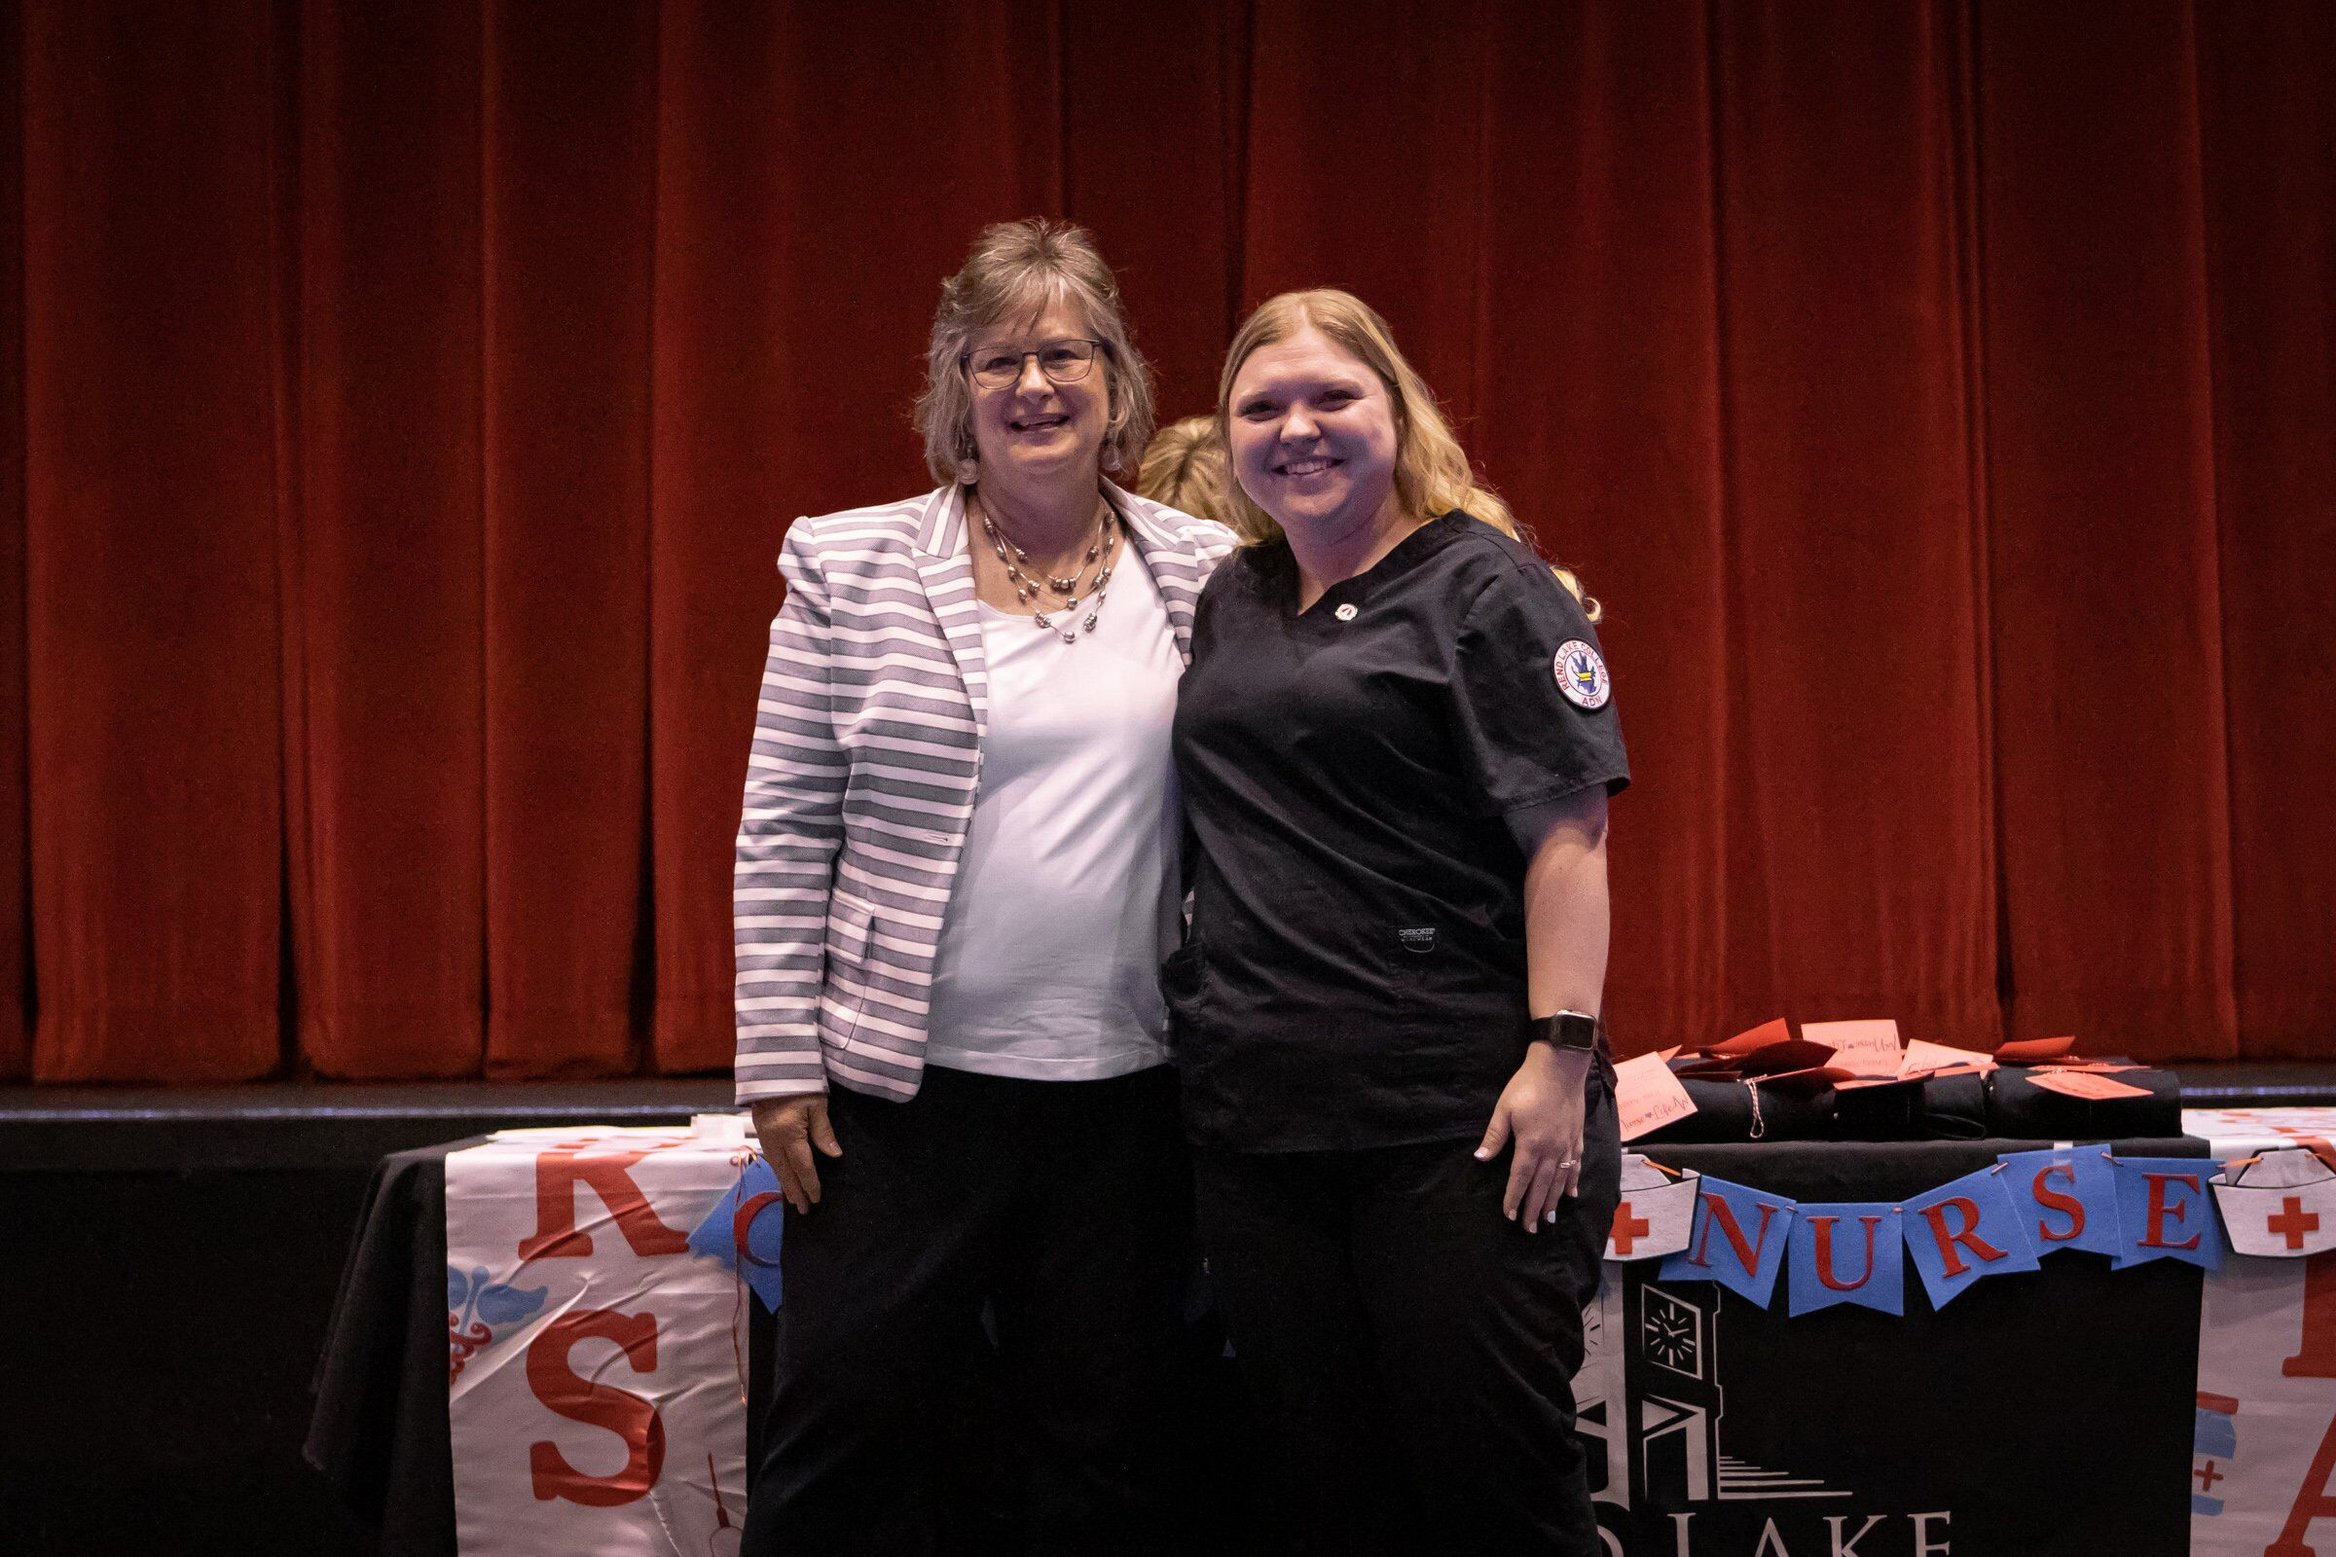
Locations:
(1104, 547)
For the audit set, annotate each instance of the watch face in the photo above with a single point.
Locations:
(1572, 1030)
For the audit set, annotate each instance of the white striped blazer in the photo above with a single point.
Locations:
(860, 788)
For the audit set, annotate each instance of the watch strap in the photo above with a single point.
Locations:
(1573, 1030)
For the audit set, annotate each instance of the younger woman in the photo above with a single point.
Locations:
(1395, 743)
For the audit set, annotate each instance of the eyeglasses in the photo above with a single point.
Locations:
(1064, 361)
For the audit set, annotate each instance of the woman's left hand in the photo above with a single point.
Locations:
(1541, 1109)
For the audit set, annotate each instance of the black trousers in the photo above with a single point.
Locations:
(1410, 1352)
(1066, 1205)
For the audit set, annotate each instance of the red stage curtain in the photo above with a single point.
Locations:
(153, 403)
(15, 863)
(388, 740)
(2267, 106)
(409, 403)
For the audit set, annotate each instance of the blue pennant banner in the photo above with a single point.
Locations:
(1739, 1240)
(2166, 1211)
(1847, 1254)
(2067, 1198)
(1964, 1230)
(744, 1229)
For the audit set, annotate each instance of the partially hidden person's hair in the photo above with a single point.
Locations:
(1014, 271)
(1432, 473)
(1185, 468)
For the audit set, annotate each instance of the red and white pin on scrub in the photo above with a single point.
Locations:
(1581, 675)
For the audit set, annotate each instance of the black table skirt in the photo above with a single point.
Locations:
(2098, 1364)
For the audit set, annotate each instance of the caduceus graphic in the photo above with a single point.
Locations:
(475, 1306)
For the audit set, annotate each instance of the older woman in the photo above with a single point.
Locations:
(957, 872)
(1396, 744)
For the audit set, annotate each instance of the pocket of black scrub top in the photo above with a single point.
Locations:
(1413, 954)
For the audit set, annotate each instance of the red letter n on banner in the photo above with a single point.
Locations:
(557, 1173)
(1747, 1254)
(621, 1412)
(1967, 1235)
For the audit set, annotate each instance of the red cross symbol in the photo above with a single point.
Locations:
(1630, 1229)
(2293, 1222)
(2206, 1477)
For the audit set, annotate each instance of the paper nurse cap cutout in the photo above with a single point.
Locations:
(1656, 1213)
(2281, 1204)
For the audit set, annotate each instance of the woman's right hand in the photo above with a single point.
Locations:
(788, 1127)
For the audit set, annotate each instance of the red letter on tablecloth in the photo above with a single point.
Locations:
(578, 1399)
(2311, 1502)
(557, 1173)
(1748, 1254)
(2159, 1210)
(1967, 1236)
(2068, 1205)
(2316, 1358)
(1823, 1228)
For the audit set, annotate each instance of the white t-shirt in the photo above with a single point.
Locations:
(1066, 896)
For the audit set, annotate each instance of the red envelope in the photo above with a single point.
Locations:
(1753, 1038)
(1776, 1059)
(1647, 1096)
(1868, 1048)
(2085, 1084)
(1935, 1059)
(2033, 1051)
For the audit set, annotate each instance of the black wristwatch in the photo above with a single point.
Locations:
(1571, 1030)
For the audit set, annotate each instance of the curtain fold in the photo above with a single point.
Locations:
(407, 404)
(151, 539)
(15, 840)
(2267, 106)
(569, 191)
(1602, 425)
(2109, 691)
(388, 752)
(1856, 789)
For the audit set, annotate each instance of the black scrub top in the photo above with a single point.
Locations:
(1354, 975)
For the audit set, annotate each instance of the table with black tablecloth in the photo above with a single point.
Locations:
(2039, 1413)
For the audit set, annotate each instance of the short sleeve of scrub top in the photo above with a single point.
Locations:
(1531, 700)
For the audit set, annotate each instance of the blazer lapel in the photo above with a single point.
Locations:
(946, 567)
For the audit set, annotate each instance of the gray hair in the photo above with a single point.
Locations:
(1017, 268)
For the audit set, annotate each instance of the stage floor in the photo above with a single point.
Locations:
(316, 1124)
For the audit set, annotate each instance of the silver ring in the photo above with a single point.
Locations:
(1571, 1162)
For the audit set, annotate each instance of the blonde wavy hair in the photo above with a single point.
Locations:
(1014, 270)
(1185, 468)
(1432, 473)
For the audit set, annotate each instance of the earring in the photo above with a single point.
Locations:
(968, 471)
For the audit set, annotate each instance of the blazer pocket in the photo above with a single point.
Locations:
(848, 921)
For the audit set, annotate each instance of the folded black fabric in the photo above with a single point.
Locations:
(2022, 1110)
(1943, 1108)
(1724, 1111)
